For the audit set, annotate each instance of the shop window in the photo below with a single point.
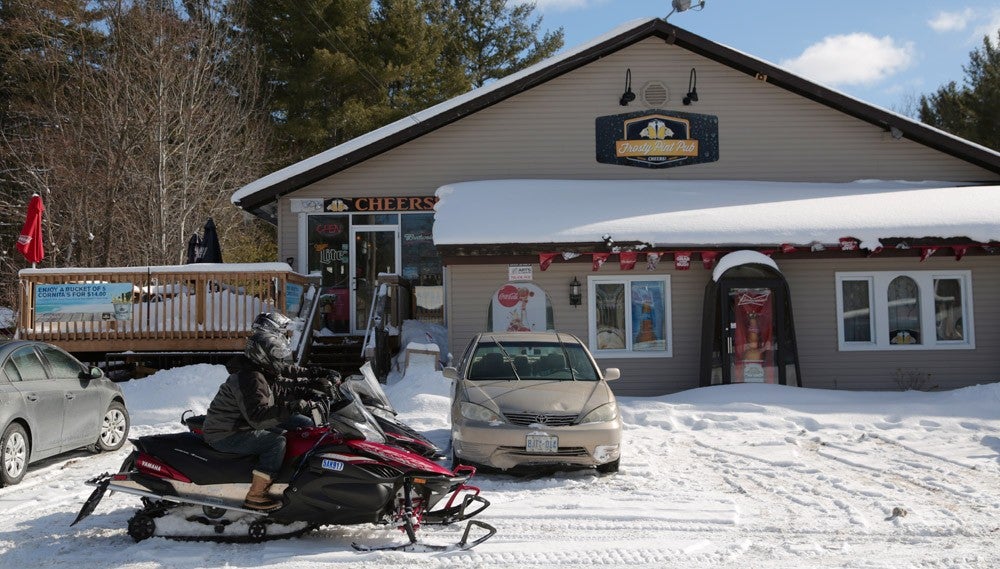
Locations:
(422, 266)
(329, 255)
(629, 316)
(904, 311)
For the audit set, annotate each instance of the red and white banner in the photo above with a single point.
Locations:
(627, 259)
(708, 258)
(599, 260)
(682, 260)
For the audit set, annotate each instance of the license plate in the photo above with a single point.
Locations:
(541, 444)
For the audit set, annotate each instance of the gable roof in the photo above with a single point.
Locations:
(263, 191)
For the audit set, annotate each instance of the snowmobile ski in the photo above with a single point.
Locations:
(451, 514)
(417, 547)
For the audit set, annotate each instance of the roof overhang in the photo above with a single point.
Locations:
(525, 215)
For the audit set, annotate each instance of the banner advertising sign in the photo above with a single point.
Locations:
(657, 139)
(83, 302)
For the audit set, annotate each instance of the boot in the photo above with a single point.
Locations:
(257, 497)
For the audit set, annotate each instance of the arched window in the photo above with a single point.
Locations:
(904, 311)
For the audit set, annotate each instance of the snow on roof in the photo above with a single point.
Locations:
(191, 268)
(737, 258)
(707, 212)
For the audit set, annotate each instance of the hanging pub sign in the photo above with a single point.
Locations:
(380, 204)
(657, 138)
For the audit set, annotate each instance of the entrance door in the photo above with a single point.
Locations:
(750, 320)
(374, 250)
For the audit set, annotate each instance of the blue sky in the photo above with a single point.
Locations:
(885, 52)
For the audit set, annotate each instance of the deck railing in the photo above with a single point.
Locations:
(199, 307)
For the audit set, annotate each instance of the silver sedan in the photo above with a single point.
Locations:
(51, 403)
(533, 400)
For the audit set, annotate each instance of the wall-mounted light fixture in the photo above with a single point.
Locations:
(575, 295)
(628, 96)
(692, 95)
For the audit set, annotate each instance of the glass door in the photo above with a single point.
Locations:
(751, 339)
(374, 250)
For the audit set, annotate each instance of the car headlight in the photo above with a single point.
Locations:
(475, 412)
(602, 414)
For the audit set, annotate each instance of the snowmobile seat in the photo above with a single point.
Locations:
(191, 455)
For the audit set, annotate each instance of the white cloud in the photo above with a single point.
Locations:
(951, 21)
(852, 59)
(989, 28)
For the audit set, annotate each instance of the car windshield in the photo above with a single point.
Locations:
(531, 360)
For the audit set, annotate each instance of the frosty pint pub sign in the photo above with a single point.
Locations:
(657, 138)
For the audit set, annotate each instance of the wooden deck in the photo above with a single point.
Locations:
(191, 308)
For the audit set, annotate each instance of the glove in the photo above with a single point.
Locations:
(300, 406)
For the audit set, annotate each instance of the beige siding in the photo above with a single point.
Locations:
(812, 287)
(765, 133)
(471, 287)
(814, 303)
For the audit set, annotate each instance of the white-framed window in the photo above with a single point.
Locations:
(904, 310)
(629, 316)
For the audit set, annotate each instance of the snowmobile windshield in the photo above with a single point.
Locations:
(350, 418)
(367, 387)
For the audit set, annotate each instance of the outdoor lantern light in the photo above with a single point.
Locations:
(628, 96)
(575, 296)
(692, 95)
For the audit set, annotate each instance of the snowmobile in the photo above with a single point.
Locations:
(367, 387)
(339, 473)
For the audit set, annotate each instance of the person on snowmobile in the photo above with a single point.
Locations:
(264, 391)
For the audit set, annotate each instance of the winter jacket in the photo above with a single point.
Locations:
(247, 400)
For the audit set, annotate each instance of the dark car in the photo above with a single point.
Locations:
(51, 403)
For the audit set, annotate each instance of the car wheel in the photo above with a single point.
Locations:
(114, 428)
(609, 467)
(14, 452)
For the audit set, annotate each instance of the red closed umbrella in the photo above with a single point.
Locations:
(29, 243)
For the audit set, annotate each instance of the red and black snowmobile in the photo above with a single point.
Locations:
(341, 473)
(368, 389)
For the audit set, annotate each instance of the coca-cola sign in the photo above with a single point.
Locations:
(507, 295)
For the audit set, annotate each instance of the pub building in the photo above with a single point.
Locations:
(696, 215)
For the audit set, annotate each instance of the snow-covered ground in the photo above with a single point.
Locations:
(729, 476)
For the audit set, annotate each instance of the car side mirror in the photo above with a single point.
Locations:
(450, 373)
(612, 373)
(95, 373)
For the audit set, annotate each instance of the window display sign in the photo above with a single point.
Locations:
(657, 139)
(519, 307)
(86, 302)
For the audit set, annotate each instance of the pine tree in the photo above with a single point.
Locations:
(337, 69)
(494, 38)
(972, 110)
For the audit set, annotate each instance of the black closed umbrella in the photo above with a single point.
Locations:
(210, 242)
(194, 249)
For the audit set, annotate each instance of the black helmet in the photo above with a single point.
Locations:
(271, 321)
(269, 350)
